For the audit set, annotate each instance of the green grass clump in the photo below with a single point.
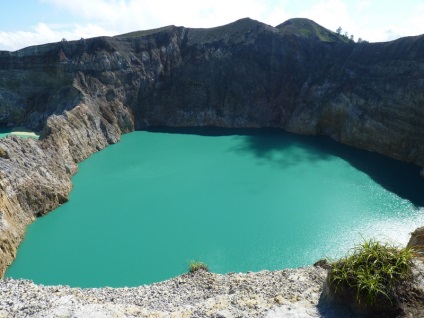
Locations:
(196, 266)
(372, 269)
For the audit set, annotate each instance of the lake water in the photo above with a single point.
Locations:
(237, 200)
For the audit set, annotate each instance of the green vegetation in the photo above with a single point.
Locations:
(309, 29)
(196, 266)
(373, 270)
(345, 36)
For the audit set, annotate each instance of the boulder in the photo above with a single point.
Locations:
(417, 240)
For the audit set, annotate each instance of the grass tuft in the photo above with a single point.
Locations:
(372, 269)
(196, 266)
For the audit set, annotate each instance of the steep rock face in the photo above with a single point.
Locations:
(300, 77)
(364, 95)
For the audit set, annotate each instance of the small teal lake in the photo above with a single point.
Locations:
(238, 200)
(17, 131)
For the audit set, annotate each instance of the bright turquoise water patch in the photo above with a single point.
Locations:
(142, 209)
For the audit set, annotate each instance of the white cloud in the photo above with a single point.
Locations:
(330, 13)
(392, 23)
(14, 40)
(407, 23)
(42, 33)
(368, 19)
(130, 15)
(111, 17)
(363, 4)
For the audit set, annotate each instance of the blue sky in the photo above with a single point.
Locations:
(29, 22)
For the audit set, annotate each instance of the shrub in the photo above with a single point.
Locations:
(196, 266)
(373, 269)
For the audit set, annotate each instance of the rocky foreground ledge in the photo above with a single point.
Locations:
(285, 293)
(298, 292)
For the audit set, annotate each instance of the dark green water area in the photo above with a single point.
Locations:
(238, 200)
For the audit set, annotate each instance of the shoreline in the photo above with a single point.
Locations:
(20, 131)
(23, 132)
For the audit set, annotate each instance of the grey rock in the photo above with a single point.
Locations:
(417, 240)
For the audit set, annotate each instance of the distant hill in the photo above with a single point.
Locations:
(309, 29)
(297, 26)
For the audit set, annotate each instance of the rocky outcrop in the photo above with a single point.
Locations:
(407, 299)
(82, 95)
(299, 292)
(417, 240)
(35, 175)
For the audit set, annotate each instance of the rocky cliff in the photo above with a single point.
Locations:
(82, 95)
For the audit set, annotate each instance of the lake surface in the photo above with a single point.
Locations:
(142, 209)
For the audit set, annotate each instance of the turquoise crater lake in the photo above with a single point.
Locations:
(238, 200)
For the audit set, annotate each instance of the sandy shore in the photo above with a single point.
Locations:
(23, 132)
